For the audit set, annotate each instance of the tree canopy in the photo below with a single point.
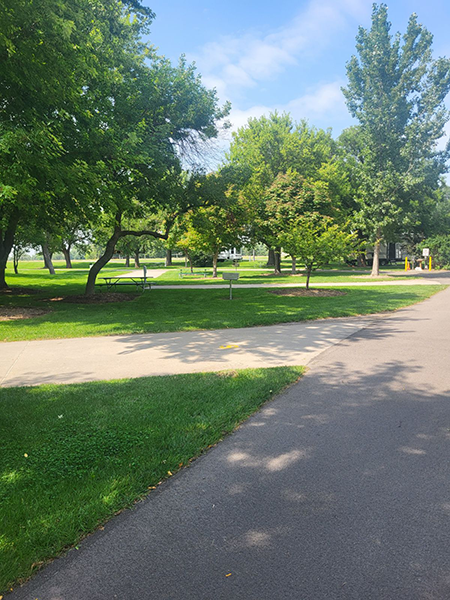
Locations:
(396, 90)
(93, 121)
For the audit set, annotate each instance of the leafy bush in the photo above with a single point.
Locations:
(201, 260)
(439, 246)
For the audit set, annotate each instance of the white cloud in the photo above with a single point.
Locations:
(318, 103)
(233, 63)
(325, 99)
(236, 64)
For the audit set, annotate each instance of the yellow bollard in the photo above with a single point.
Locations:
(406, 263)
(429, 264)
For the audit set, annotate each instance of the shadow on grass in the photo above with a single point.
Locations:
(182, 310)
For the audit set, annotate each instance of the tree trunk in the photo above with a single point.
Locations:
(271, 258)
(294, 265)
(168, 261)
(16, 257)
(361, 260)
(215, 256)
(308, 275)
(185, 261)
(376, 257)
(48, 259)
(109, 251)
(6, 244)
(136, 259)
(66, 252)
(5, 249)
(127, 260)
(277, 266)
(101, 262)
(254, 255)
(190, 262)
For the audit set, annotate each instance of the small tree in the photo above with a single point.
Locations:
(72, 234)
(218, 223)
(19, 250)
(21, 243)
(289, 197)
(316, 240)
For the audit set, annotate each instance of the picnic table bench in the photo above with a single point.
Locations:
(189, 274)
(113, 283)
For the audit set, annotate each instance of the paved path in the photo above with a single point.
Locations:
(218, 286)
(151, 273)
(337, 490)
(113, 357)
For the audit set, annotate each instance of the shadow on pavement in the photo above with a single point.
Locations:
(339, 489)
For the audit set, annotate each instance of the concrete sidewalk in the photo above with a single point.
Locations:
(243, 286)
(114, 357)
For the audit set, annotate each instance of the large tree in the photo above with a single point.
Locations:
(270, 146)
(58, 60)
(93, 121)
(158, 113)
(396, 90)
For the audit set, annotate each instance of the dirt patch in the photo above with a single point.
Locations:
(19, 291)
(13, 313)
(105, 298)
(303, 292)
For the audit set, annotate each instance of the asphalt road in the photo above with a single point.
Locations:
(339, 489)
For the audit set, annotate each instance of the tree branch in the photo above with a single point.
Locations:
(156, 234)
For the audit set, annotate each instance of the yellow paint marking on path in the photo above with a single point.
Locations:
(228, 346)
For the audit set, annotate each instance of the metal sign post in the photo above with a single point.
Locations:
(230, 277)
(426, 254)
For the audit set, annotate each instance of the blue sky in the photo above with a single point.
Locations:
(282, 55)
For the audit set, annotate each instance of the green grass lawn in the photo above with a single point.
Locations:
(73, 455)
(179, 309)
(183, 310)
(257, 272)
(249, 272)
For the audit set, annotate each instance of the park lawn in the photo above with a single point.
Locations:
(191, 309)
(73, 281)
(258, 276)
(71, 456)
(249, 272)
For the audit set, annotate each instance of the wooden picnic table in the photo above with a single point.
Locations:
(113, 282)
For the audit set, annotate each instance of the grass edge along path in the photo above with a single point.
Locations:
(189, 310)
(72, 456)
